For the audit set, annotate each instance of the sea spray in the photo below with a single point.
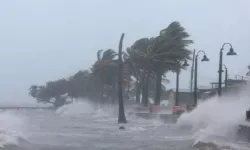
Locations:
(12, 128)
(84, 107)
(76, 108)
(216, 118)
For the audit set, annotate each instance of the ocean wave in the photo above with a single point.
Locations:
(85, 108)
(217, 118)
(11, 128)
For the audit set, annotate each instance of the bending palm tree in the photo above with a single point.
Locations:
(121, 115)
(104, 70)
(160, 54)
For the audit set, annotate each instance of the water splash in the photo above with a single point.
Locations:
(217, 118)
(86, 108)
(11, 128)
(76, 109)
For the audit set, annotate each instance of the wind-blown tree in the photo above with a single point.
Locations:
(160, 54)
(128, 72)
(52, 89)
(133, 70)
(76, 86)
(152, 86)
(147, 60)
(55, 89)
(135, 90)
(39, 93)
(169, 51)
(105, 71)
(33, 90)
(121, 113)
(140, 66)
(143, 68)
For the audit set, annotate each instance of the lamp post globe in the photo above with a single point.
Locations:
(231, 52)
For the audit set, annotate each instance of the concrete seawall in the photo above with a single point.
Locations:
(166, 118)
(244, 131)
(17, 108)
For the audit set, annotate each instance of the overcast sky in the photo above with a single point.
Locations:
(43, 40)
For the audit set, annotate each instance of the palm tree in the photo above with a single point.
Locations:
(79, 84)
(161, 54)
(121, 115)
(169, 51)
(148, 59)
(152, 85)
(105, 70)
(141, 65)
(134, 70)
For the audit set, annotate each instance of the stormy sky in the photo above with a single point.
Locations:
(43, 40)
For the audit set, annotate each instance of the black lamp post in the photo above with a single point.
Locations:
(195, 74)
(230, 53)
(177, 83)
(226, 77)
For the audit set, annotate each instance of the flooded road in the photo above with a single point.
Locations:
(71, 128)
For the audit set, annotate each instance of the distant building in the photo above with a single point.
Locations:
(233, 85)
(185, 97)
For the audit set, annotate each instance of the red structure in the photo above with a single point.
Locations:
(178, 110)
(156, 109)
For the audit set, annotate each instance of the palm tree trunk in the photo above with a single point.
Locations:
(146, 89)
(102, 93)
(121, 115)
(114, 91)
(128, 87)
(143, 86)
(138, 91)
(158, 88)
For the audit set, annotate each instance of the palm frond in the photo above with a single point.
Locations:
(109, 54)
(99, 57)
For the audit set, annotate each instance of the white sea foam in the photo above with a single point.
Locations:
(12, 127)
(217, 118)
(85, 107)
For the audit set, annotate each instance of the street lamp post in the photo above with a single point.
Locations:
(230, 53)
(177, 83)
(226, 77)
(195, 74)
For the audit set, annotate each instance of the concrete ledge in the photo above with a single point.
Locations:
(244, 132)
(166, 118)
(147, 116)
(13, 107)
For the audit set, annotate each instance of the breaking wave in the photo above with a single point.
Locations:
(216, 120)
(86, 108)
(11, 129)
